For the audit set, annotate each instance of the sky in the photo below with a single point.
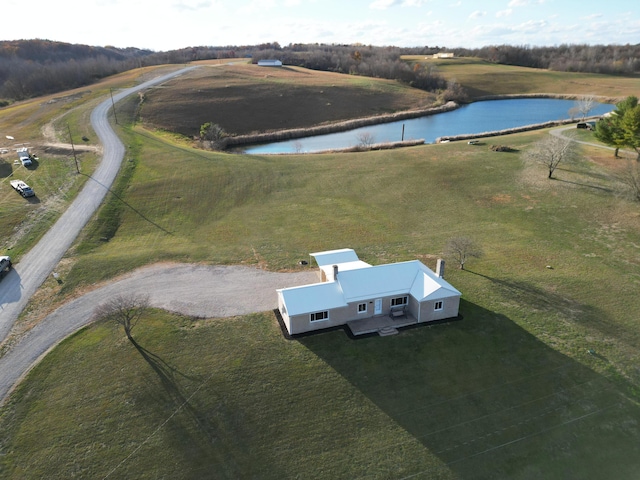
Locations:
(162, 25)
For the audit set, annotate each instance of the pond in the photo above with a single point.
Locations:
(478, 117)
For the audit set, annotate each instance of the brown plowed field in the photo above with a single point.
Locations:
(249, 99)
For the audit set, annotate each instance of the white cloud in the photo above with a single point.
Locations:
(504, 13)
(193, 7)
(477, 14)
(532, 26)
(384, 4)
(257, 6)
(524, 3)
(592, 17)
(414, 3)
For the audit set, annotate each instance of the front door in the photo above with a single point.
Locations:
(377, 307)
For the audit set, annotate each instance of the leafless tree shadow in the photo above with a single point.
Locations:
(596, 187)
(140, 214)
(168, 376)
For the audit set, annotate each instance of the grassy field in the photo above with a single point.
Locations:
(511, 391)
(481, 78)
(231, 398)
(43, 125)
(242, 99)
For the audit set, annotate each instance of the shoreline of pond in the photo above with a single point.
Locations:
(342, 126)
(509, 131)
(234, 144)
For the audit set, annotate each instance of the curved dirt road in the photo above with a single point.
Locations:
(22, 282)
(197, 290)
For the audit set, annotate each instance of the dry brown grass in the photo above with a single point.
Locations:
(245, 99)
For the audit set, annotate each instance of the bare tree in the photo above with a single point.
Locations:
(125, 310)
(585, 104)
(573, 112)
(365, 139)
(551, 151)
(463, 248)
(631, 180)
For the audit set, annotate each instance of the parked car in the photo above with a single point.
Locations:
(5, 265)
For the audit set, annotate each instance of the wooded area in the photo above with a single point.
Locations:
(607, 59)
(31, 68)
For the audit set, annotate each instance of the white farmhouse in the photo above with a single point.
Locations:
(443, 55)
(269, 63)
(367, 299)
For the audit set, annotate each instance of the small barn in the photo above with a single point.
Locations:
(366, 298)
(269, 63)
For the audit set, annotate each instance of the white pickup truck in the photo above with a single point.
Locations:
(5, 265)
(22, 188)
(25, 158)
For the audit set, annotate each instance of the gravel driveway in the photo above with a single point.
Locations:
(26, 277)
(198, 290)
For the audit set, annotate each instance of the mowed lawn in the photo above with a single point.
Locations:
(510, 391)
(231, 398)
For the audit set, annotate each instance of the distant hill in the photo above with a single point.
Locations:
(30, 68)
(47, 51)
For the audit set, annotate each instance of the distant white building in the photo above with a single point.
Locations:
(367, 298)
(269, 63)
(443, 55)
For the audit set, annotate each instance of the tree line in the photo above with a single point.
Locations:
(606, 59)
(31, 68)
(368, 61)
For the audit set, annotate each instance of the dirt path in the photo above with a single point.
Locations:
(52, 145)
(559, 132)
(196, 290)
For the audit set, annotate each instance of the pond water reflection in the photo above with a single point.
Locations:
(478, 117)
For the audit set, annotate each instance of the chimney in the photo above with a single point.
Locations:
(335, 273)
(440, 268)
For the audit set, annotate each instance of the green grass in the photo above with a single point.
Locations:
(231, 398)
(509, 392)
(53, 177)
(55, 182)
(217, 208)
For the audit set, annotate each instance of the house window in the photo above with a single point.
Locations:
(319, 316)
(399, 301)
(362, 308)
(437, 306)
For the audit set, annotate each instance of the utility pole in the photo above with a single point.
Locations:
(114, 105)
(73, 149)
